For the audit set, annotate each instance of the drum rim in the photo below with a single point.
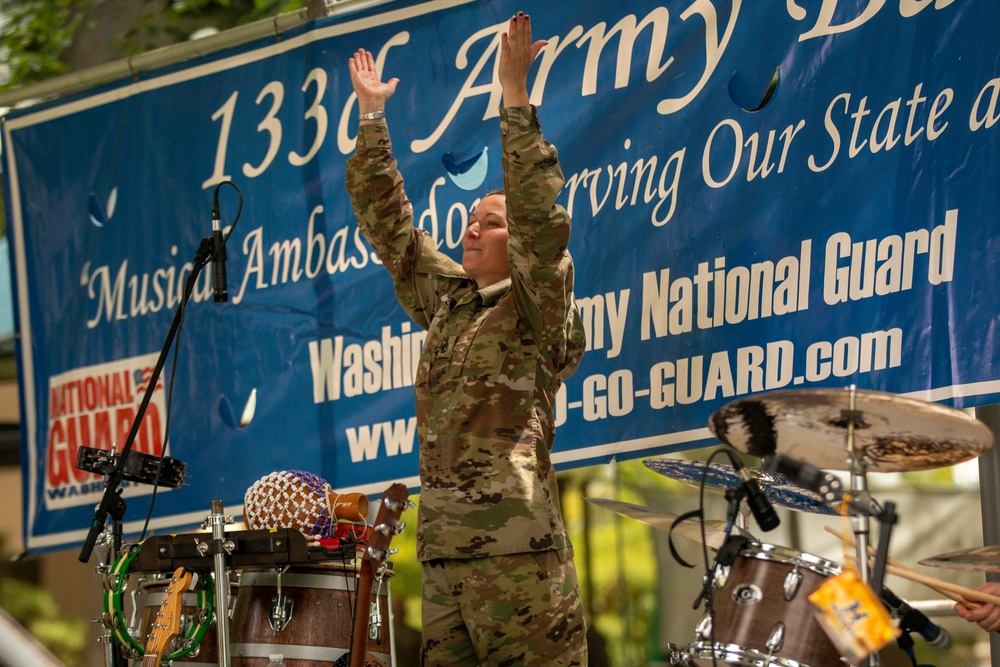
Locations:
(746, 657)
(789, 556)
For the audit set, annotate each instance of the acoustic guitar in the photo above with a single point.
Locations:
(394, 501)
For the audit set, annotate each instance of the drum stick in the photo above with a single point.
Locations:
(949, 590)
(944, 587)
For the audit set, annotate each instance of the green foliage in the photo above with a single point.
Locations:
(35, 608)
(35, 34)
(174, 22)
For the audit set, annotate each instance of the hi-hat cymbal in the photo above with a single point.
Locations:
(977, 559)
(715, 533)
(720, 477)
(891, 433)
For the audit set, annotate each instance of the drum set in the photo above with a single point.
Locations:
(306, 584)
(757, 596)
(256, 595)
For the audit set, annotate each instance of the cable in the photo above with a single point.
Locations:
(182, 307)
(709, 569)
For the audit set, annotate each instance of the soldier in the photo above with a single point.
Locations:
(503, 332)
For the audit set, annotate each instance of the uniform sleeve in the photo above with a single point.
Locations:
(420, 273)
(540, 263)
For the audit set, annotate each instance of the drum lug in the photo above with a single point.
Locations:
(281, 606)
(792, 582)
(777, 638)
(704, 629)
(281, 612)
(721, 576)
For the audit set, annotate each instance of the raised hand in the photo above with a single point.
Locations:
(517, 52)
(371, 90)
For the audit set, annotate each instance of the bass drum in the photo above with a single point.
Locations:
(305, 614)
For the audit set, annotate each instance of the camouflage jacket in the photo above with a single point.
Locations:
(493, 359)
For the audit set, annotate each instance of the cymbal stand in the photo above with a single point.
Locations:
(861, 520)
(860, 523)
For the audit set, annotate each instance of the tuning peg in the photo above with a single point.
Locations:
(400, 527)
(376, 553)
(383, 529)
(390, 504)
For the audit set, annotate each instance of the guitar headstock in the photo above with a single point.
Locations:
(167, 623)
(394, 501)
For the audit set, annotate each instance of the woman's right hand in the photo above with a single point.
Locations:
(371, 90)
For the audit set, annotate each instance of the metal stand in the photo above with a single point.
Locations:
(861, 522)
(220, 547)
(112, 501)
(113, 651)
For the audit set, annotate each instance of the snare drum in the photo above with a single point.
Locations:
(306, 615)
(763, 617)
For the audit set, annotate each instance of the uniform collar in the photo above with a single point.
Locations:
(491, 294)
(487, 296)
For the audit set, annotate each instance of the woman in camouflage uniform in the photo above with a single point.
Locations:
(503, 332)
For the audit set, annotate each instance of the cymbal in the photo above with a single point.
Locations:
(891, 434)
(720, 477)
(977, 559)
(715, 533)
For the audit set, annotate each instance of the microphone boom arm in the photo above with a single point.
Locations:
(111, 502)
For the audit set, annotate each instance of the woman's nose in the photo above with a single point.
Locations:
(473, 230)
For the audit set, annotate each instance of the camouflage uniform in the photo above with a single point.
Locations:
(492, 363)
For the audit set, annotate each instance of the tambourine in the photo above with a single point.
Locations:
(139, 467)
(115, 585)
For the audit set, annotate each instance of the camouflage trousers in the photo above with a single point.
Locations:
(502, 611)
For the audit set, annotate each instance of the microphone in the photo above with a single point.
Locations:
(812, 478)
(913, 620)
(219, 283)
(760, 506)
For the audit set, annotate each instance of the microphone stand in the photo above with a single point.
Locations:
(887, 519)
(112, 504)
(905, 643)
(730, 545)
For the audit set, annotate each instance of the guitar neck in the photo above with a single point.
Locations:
(386, 524)
(359, 635)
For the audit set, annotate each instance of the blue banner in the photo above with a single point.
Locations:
(767, 196)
